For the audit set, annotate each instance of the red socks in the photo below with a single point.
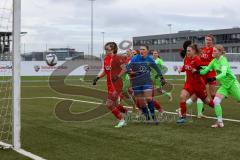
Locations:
(183, 109)
(213, 97)
(157, 106)
(117, 113)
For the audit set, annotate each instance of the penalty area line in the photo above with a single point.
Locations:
(129, 107)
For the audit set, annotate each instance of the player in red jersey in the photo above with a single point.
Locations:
(206, 58)
(195, 84)
(111, 68)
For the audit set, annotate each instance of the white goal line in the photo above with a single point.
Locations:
(21, 151)
(29, 154)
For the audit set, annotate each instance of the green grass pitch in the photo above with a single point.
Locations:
(44, 135)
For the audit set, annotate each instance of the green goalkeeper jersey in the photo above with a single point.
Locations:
(224, 73)
(159, 63)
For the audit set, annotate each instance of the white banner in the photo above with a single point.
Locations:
(40, 68)
(37, 68)
(173, 67)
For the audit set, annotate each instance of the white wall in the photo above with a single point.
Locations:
(37, 68)
(40, 68)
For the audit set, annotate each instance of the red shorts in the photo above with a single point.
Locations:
(199, 90)
(114, 96)
(211, 74)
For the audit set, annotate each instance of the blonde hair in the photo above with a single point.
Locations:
(220, 48)
(212, 37)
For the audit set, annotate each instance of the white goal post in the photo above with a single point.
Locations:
(16, 74)
(16, 84)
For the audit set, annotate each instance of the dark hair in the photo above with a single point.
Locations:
(146, 46)
(186, 44)
(136, 50)
(113, 46)
(195, 48)
(183, 53)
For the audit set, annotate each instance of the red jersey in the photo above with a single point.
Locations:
(112, 67)
(191, 64)
(206, 58)
(195, 83)
(206, 55)
(128, 59)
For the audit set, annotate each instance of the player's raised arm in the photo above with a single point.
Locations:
(205, 70)
(158, 70)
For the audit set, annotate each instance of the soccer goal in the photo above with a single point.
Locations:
(10, 24)
(10, 85)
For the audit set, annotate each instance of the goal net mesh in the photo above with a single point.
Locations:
(6, 11)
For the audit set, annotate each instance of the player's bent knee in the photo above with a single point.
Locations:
(217, 101)
(199, 100)
(183, 97)
(189, 101)
(109, 104)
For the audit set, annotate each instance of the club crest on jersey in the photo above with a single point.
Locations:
(142, 69)
(108, 68)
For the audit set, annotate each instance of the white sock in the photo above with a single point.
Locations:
(220, 119)
(189, 102)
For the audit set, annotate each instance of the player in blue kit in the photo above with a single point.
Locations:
(140, 70)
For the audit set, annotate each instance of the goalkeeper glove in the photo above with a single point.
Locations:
(95, 80)
(162, 80)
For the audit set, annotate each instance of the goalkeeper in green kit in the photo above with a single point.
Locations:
(229, 85)
(156, 82)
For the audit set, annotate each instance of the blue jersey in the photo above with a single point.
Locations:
(141, 66)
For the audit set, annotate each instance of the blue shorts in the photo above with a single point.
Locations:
(140, 89)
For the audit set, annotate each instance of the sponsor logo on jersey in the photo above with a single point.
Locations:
(204, 56)
(143, 69)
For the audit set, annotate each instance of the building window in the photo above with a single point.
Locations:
(234, 49)
(234, 36)
(174, 41)
(167, 41)
(163, 41)
(226, 49)
(238, 36)
(155, 42)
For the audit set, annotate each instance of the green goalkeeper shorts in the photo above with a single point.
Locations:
(233, 91)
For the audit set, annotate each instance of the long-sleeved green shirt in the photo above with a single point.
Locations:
(224, 72)
(159, 63)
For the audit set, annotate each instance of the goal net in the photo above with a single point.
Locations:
(9, 73)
